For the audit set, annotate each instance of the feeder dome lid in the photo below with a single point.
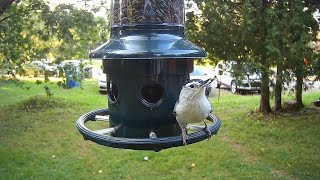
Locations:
(148, 42)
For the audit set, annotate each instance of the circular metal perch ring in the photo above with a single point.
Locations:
(155, 144)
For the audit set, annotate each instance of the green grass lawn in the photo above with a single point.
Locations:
(39, 140)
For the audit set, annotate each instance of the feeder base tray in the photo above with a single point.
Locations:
(156, 144)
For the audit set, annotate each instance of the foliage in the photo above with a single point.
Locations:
(216, 29)
(19, 41)
(264, 33)
(31, 30)
(75, 32)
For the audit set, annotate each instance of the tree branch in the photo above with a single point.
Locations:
(22, 12)
(1, 20)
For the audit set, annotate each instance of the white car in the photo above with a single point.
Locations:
(34, 67)
(102, 83)
(224, 75)
(75, 65)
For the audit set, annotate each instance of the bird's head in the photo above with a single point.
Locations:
(194, 87)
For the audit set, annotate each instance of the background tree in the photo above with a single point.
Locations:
(291, 29)
(303, 30)
(30, 30)
(216, 29)
(236, 30)
(73, 32)
(18, 33)
(267, 33)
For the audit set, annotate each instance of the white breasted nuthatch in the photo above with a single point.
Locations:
(192, 106)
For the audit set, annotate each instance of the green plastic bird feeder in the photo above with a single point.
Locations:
(147, 61)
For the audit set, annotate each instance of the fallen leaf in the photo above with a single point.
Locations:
(146, 158)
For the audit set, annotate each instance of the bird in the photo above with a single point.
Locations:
(193, 106)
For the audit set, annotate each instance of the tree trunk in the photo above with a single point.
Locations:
(265, 87)
(279, 75)
(265, 91)
(298, 88)
(5, 4)
(278, 88)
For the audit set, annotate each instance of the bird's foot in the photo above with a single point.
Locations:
(207, 130)
(184, 141)
(184, 136)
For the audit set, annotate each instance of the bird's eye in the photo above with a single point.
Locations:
(192, 86)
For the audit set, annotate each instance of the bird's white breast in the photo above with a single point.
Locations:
(192, 110)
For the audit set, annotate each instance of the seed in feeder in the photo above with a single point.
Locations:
(140, 11)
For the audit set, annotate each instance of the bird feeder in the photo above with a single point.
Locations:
(147, 61)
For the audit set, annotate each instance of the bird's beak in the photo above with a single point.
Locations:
(206, 82)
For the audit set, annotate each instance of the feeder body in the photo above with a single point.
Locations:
(142, 95)
(147, 61)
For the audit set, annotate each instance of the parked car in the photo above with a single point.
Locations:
(102, 83)
(38, 67)
(196, 75)
(244, 81)
(289, 81)
(77, 66)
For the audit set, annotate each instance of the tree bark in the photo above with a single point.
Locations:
(298, 88)
(5, 4)
(265, 92)
(279, 75)
(278, 88)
